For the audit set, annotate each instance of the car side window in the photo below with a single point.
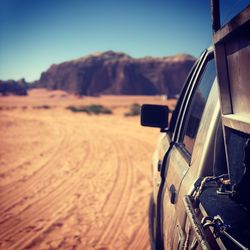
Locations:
(181, 99)
(197, 106)
(179, 102)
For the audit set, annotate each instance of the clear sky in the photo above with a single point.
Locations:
(37, 33)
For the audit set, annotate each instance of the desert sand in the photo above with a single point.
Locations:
(73, 180)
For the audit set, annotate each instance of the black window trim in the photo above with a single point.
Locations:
(192, 78)
(182, 97)
(179, 144)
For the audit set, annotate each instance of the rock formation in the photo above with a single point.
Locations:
(118, 74)
(13, 87)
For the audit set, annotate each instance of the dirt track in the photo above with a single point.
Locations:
(73, 181)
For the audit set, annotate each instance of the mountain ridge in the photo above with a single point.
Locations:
(116, 73)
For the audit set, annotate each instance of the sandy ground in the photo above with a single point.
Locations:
(72, 180)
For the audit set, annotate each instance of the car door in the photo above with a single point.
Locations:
(177, 162)
(166, 138)
(164, 146)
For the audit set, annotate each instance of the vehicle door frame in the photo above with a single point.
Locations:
(187, 94)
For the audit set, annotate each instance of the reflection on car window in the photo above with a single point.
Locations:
(197, 106)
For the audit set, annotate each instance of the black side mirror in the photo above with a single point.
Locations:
(154, 116)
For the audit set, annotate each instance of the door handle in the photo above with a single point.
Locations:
(172, 192)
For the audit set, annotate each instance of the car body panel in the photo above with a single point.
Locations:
(183, 175)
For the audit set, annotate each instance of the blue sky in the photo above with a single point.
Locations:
(37, 33)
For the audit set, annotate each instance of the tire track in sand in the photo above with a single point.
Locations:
(126, 174)
(118, 200)
(25, 186)
(53, 198)
(52, 206)
(55, 208)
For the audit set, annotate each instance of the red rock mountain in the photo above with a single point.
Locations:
(118, 74)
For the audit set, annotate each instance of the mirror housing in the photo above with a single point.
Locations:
(154, 116)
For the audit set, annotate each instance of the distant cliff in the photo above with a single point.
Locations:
(13, 87)
(118, 74)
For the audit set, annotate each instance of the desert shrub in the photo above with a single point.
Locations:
(45, 107)
(91, 109)
(98, 109)
(8, 107)
(77, 109)
(135, 109)
(42, 107)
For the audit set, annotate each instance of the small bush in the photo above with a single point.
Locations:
(8, 107)
(42, 107)
(91, 109)
(135, 109)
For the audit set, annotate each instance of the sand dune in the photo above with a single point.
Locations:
(73, 181)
